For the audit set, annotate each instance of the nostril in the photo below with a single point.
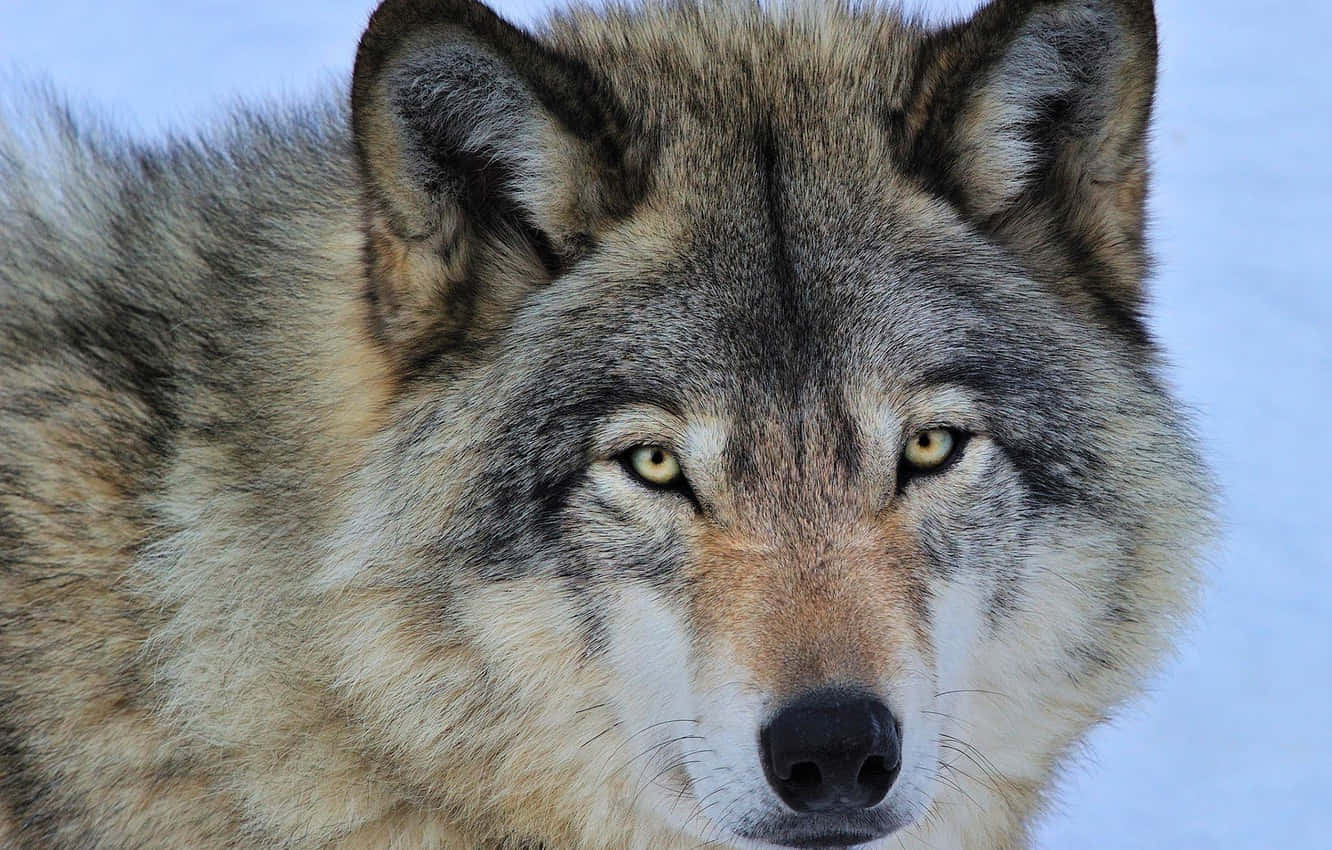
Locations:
(805, 776)
(875, 775)
(871, 769)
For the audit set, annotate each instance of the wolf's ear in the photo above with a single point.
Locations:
(1038, 122)
(487, 159)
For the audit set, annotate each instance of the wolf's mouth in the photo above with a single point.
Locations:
(831, 839)
(822, 830)
(805, 838)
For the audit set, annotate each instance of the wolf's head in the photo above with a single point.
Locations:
(779, 457)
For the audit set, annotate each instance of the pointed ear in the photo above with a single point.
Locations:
(487, 161)
(1039, 111)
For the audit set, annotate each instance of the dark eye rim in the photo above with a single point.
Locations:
(679, 485)
(908, 472)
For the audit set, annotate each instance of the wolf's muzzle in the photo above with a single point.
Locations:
(832, 751)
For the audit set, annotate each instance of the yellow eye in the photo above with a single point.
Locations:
(929, 449)
(655, 466)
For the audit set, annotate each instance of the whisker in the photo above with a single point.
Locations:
(973, 691)
(649, 751)
(700, 808)
(648, 728)
(975, 756)
(683, 761)
(947, 716)
(599, 734)
(955, 786)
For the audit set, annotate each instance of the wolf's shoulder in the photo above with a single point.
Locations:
(112, 240)
(134, 271)
(86, 204)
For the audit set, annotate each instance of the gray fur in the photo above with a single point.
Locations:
(313, 525)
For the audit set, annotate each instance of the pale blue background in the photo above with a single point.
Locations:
(1232, 748)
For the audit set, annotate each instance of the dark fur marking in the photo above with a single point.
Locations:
(1002, 601)
(14, 549)
(28, 794)
(538, 465)
(785, 282)
(1056, 466)
(121, 345)
(847, 448)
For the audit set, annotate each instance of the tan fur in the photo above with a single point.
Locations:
(287, 562)
(841, 615)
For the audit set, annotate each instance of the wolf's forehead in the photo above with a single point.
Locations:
(784, 292)
(790, 276)
(784, 261)
(705, 74)
(768, 339)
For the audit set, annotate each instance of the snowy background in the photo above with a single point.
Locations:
(1233, 746)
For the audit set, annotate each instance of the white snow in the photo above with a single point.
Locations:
(1232, 748)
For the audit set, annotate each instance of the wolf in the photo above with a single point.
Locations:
(682, 424)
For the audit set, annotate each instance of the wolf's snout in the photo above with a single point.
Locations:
(831, 751)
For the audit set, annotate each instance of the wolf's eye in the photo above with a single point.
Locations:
(654, 466)
(930, 449)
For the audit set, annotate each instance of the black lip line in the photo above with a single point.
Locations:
(828, 840)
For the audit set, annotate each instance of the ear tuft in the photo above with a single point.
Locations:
(484, 155)
(1039, 115)
(1049, 90)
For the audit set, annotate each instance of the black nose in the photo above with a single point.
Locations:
(832, 751)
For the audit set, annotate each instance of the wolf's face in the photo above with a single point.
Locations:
(795, 468)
